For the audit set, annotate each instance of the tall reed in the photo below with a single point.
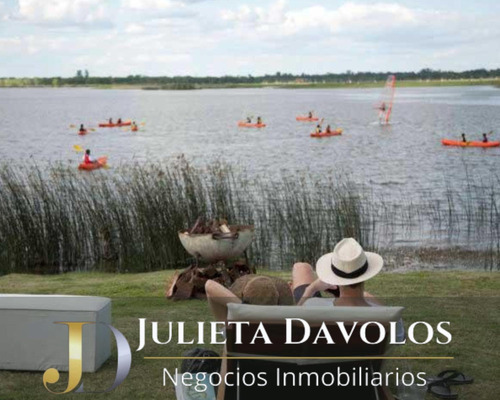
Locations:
(59, 219)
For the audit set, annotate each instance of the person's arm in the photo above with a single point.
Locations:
(316, 286)
(218, 299)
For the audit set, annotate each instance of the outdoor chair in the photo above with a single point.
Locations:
(273, 318)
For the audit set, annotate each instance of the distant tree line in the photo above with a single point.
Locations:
(83, 78)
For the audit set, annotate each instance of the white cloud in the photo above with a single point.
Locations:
(258, 15)
(150, 5)
(149, 10)
(357, 28)
(31, 44)
(81, 12)
(152, 36)
(162, 58)
(276, 20)
(9, 44)
(134, 28)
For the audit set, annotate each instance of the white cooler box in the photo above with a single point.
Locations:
(30, 341)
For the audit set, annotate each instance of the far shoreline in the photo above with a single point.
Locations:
(266, 85)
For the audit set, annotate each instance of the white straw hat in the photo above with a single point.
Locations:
(348, 264)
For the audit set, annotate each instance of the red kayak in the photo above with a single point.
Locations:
(448, 142)
(108, 125)
(336, 132)
(84, 132)
(101, 162)
(306, 119)
(243, 124)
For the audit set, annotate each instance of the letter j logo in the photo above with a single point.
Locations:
(75, 330)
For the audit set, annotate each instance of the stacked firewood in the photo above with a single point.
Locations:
(190, 283)
(212, 226)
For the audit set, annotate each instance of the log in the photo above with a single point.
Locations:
(190, 283)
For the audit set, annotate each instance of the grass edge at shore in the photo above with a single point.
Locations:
(280, 85)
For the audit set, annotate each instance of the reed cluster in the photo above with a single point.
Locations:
(58, 219)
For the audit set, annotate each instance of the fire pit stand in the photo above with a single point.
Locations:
(213, 253)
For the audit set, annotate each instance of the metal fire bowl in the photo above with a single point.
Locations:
(214, 247)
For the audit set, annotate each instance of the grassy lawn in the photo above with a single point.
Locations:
(469, 300)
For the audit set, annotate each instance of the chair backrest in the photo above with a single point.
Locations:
(273, 318)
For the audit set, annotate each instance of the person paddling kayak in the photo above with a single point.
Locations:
(249, 120)
(119, 121)
(259, 120)
(463, 138)
(134, 127)
(328, 129)
(318, 128)
(82, 129)
(485, 138)
(87, 159)
(310, 115)
(110, 121)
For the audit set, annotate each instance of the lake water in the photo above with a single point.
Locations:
(403, 158)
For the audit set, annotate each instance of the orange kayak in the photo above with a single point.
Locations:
(306, 119)
(101, 162)
(336, 132)
(243, 124)
(84, 132)
(108, 125)
(448, 142)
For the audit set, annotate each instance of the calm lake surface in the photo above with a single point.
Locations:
(405, 158)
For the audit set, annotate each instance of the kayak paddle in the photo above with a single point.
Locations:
(106, 166)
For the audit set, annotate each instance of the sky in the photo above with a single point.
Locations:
(242, 37)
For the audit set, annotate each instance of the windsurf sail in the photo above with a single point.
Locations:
(384, 107)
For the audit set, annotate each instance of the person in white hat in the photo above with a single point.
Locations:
(344, 270)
